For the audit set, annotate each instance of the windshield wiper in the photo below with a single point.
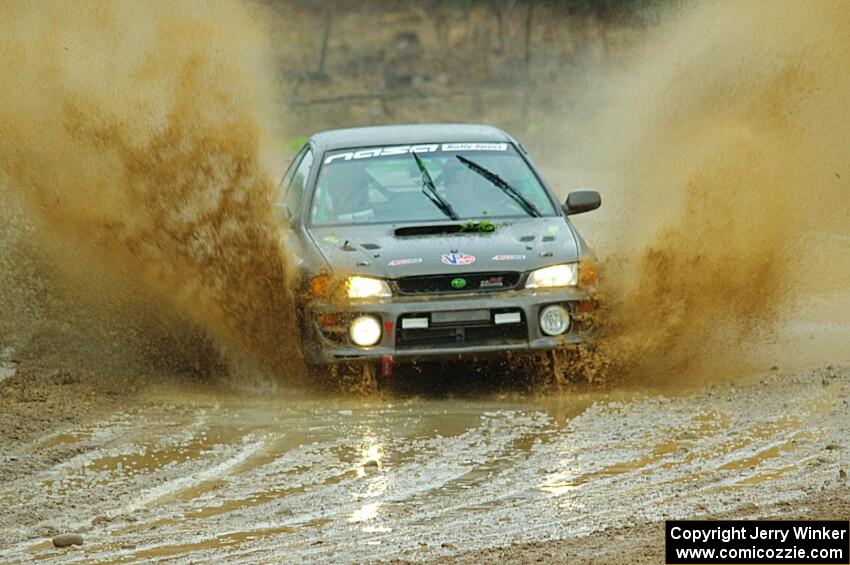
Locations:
(500, 183)
(429, 190)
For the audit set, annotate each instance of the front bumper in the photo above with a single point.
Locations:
(326, 338)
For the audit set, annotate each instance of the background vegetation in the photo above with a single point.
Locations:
(510, 63)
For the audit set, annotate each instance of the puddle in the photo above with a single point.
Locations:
(67, 438)
(755, 460)
(773, 475)
(641, 465)
(219, 542)
(152, 457)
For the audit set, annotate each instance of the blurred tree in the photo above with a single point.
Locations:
(325, 37)
(501, 9)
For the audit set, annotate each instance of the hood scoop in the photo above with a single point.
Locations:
(428, 230)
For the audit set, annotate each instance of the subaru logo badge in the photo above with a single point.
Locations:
(458, 283)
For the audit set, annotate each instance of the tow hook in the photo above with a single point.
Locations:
(386, 365)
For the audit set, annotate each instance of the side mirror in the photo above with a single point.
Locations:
(579, 201)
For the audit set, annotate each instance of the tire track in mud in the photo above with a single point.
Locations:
(189, 476)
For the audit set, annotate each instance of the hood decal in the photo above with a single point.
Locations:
(411, 261)
(508, 258)
(457, 259)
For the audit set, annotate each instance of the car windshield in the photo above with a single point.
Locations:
(472, 181)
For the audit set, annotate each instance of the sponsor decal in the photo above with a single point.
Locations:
(458, 259)
(383, 152)
(492, 282)
(475, 147)
(459, 283)
(397, 262)
(508, 257)
(373, 152)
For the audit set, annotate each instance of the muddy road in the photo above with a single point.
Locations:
(194, 476)
(187, 472)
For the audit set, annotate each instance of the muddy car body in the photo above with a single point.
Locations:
(431, 242)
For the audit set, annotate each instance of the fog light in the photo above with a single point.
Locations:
(554, 320)
(365, 331)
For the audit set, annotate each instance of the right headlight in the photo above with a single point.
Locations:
(554, 276)
(367, 287)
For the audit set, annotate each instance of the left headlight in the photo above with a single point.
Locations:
(555, 275)
(367, 287)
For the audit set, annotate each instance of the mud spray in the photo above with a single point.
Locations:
(726, 149)
(133, 135)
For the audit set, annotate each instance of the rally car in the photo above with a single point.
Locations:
(418, 242)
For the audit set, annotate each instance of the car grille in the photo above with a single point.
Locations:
(461, 333)
(474, 282)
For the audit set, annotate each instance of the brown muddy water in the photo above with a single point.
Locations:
(188, 474)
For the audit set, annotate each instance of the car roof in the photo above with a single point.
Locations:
(406, 135)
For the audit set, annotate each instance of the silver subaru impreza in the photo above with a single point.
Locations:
(420, 242)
